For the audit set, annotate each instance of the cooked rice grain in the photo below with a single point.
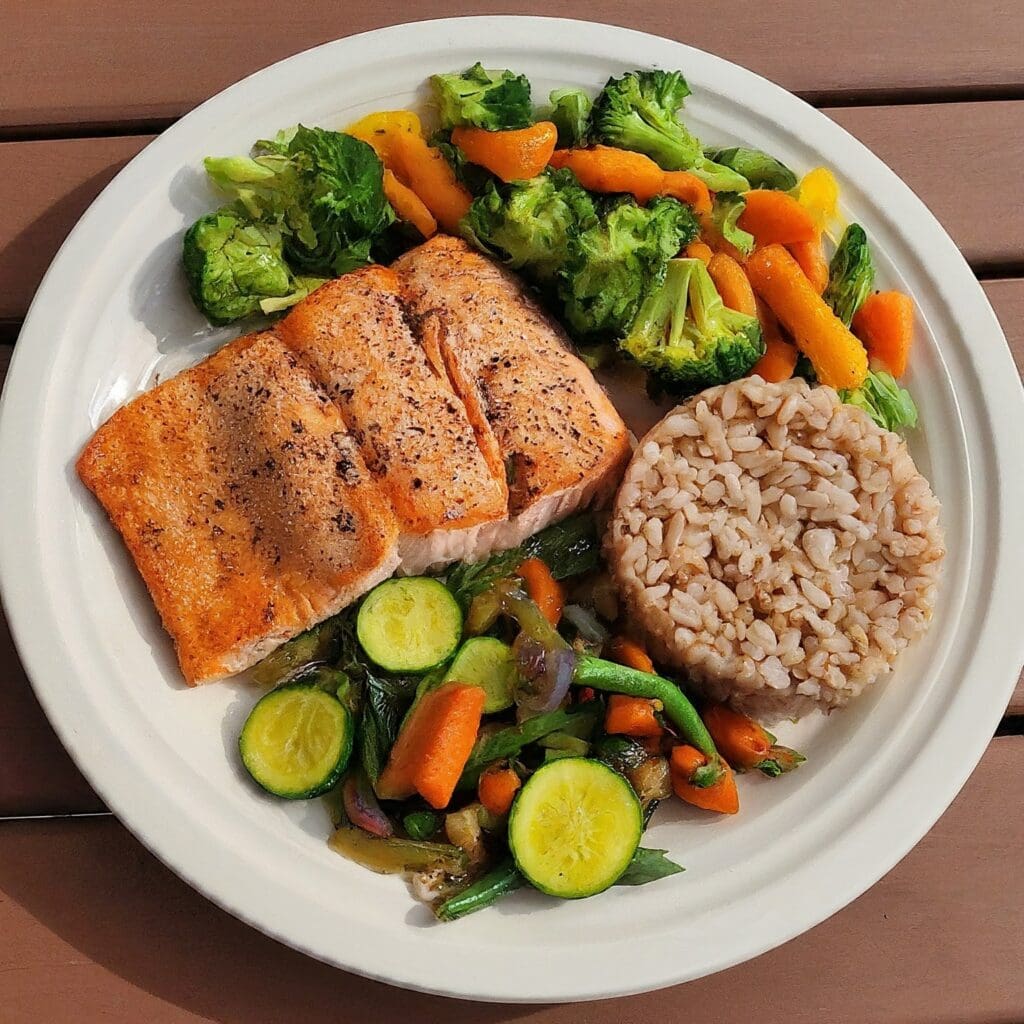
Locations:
(777, 545)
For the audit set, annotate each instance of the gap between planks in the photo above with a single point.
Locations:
(823, 100)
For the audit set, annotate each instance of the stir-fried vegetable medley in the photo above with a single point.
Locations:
(470, 728)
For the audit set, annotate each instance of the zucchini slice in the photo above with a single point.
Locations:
(409, 624)
(574, 827)
(297, 741)
(486, 662)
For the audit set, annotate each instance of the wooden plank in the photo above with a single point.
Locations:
(79, 61)
(90, 919)
(37, 776)
(934, 145)
(46, 186)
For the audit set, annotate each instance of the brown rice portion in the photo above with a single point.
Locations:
(775, 544)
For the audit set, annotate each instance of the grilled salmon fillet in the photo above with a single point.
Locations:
(562, 443)
(412, 428)
(245, 503)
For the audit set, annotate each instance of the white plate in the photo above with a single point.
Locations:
(112, 314)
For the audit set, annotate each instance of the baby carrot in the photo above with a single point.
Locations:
(606, 169)
(720, 796)
(632, 716)
(497, 788)
(543, 589)
(811, 258)
(512, 155)
(885, 323)
(745, 744)
(408, 205)
(425, 170)
(629, 652)
(687, 188)
(774, 217)
(740, 740)
(699, 251)
(780, 356)
(837, 356)
(732, 284)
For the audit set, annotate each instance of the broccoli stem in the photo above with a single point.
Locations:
(505, 878)
(612, 678)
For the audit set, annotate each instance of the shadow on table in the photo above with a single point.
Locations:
(101, 892)
(26, 256)
(36, 774)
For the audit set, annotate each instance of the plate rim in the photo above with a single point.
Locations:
(13, 553)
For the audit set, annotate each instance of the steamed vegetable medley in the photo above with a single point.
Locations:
(496, 726)
(492, 728)
(701, 264)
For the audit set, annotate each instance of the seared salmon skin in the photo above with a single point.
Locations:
(561, 441)
(412, 428)
(245, 503)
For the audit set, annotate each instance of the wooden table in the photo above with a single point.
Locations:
(93, 927)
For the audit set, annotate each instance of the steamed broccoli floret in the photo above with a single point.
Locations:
(725, 213)
(485, 99)
(232, 265)
(687, 337)
(570, 114)
(638, 112)
(528, 224)
(615, 262)
(881, 397)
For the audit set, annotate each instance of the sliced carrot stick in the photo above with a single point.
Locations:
(838, 357)
(425, 170)
(434, 745)
(885, 323)
(628, 652)
(811, 258)
(739, 739)
(699, 251)
(606, 169)
(721, 797)
(512, 155)
(631, 716)
(732, 284)
(408, 205)
(774, 217)
(544, 590)
(780, 356)
(496, 789)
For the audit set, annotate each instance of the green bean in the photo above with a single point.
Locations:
(481, 894)
(421, 824)
(606, 675)
(508, 742)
